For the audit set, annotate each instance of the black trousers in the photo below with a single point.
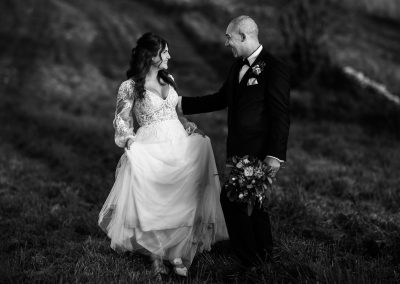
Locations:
(250, 236)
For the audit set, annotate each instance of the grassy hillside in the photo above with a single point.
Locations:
(335, 206)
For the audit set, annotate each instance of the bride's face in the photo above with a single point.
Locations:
(161, 60)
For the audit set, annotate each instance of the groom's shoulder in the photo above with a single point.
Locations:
(277, 64)
(276, 61)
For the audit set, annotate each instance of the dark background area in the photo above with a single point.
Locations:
(335, 204)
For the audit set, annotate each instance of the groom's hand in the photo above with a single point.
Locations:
(274, 164)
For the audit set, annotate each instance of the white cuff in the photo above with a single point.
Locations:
(280, 161)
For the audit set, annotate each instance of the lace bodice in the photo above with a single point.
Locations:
(151, 109)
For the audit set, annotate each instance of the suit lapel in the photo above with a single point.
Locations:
(249, 73)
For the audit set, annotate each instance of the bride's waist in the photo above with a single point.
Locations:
(168, 129)
(150, 120)
(160, 123)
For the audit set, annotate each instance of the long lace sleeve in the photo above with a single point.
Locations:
(123, 120)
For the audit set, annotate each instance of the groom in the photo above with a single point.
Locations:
(256, 93)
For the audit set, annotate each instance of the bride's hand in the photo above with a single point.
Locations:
(128, 144)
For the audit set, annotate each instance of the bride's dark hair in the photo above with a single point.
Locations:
(148, 46)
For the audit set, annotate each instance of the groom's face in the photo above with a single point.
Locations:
(234, 40)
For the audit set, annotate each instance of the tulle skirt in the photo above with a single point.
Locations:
(165, 199)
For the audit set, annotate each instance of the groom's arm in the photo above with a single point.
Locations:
(278, 103)
(208, 103)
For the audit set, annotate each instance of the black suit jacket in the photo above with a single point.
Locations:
(258, 115)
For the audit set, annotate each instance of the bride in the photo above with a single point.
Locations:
(165, 199)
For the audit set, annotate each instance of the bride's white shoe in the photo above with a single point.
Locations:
(179, 268)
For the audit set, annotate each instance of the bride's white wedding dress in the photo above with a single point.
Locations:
(165, 199)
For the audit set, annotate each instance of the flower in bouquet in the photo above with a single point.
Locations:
(250, 182)
(248, 171)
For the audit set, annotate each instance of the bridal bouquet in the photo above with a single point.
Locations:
(250, 182)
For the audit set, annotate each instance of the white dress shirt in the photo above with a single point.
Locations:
(251, 58)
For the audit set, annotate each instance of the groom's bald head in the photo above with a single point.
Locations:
(245, 25)
(242, 36)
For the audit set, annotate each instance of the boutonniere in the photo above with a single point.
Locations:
(258, 68)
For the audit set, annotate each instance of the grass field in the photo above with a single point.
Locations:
(335, 205)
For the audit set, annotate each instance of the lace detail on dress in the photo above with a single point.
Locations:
(152, 108)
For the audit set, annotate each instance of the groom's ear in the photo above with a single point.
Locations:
(242, 36)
